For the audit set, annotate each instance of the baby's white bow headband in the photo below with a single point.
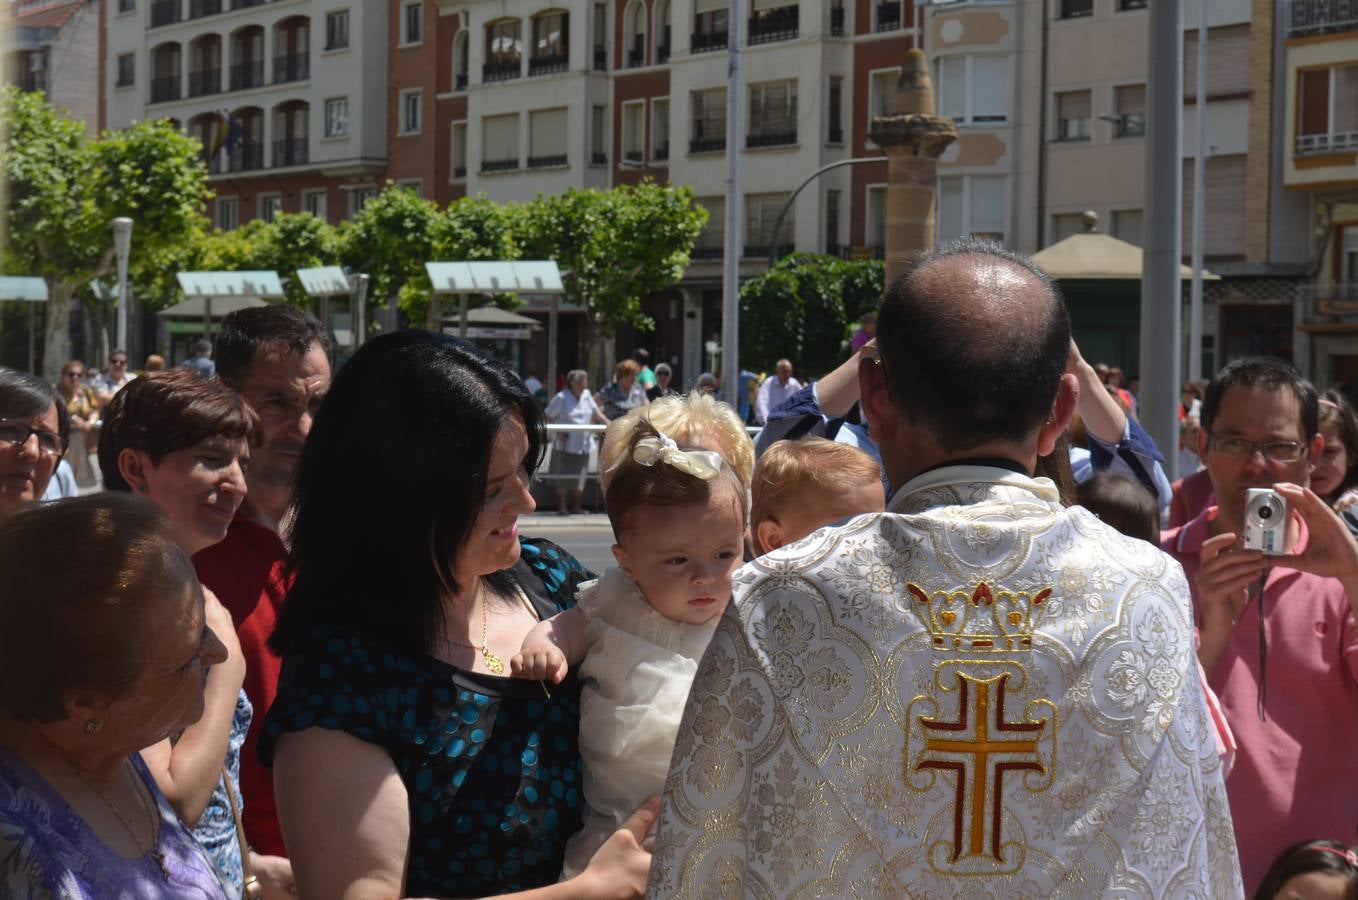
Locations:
(702, 464)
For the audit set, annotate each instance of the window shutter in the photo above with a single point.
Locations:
(500, 138)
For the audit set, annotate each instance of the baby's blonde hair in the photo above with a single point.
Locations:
(788, 469)
(693, 420)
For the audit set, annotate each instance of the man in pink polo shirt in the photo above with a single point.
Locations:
(1284, 660)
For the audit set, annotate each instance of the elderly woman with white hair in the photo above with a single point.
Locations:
(570, 450)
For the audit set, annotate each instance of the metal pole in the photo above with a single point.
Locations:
(782, 213)
(32, 337)
(360, 310)
(1161, 307)
(122, 244)
(1199, 201)
(730, 286)
(553, 317)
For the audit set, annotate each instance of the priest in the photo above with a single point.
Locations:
(978, 692)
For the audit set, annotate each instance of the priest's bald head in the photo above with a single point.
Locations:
(973, 341)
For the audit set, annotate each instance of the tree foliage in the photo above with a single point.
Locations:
(805, 308)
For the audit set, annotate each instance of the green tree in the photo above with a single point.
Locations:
(805, 308)
(65, 189)
(290, 242)
(614, 247)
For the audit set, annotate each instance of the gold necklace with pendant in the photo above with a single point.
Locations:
(493, 663)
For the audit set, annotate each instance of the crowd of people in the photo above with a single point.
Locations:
(945, 628)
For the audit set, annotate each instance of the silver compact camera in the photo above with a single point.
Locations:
(1265, 521)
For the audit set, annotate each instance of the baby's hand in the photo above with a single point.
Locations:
(539, 662)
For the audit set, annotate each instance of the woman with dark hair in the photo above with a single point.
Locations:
(406, 762)
(1312, 870)
(1334, 474)
(184, 442)
(32, 438)
(110, 658)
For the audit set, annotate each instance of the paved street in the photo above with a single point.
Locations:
(589, 537)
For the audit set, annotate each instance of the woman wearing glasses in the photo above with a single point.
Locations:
(83, 406)
(32, 438)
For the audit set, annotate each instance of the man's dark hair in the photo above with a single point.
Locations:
(642, 356)
(1124, 503)
(970, 369)
(24, 395)
(247, 331)
(1266, 372)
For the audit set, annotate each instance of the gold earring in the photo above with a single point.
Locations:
(93, 726)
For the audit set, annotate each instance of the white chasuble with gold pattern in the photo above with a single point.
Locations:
(978, 693)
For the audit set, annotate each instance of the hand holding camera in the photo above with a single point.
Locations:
(1330, 548)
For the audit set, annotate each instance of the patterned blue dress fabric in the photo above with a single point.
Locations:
(491, 764)
(216, 829)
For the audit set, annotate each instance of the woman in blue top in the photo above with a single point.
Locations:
(406, 762)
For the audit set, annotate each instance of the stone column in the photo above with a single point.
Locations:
(912, 139)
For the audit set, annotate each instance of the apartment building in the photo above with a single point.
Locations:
(53, 46)
(281, 94)
(1319, 149)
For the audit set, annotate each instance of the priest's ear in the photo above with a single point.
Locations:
(1063, 407)
(766, 536)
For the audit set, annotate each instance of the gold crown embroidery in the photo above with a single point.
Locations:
(986, 620)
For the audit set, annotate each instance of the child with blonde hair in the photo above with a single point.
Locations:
(697, 420)
(800, 486)
(637, 633)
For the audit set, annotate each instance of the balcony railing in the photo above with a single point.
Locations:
(459, 172)
(702, 41)
(1130, 125)
(164, 88)
(662, 53)
(501, 71)
(214, 162)
(460, 80)
(290, 152)
(661, 152)
(296, 67)
(708, 252)
(888, 16)
(165, 12)
(33, 81)
(598, 158)
(837, 21)
(763, 251)
(548, 64)
(771, 138)
(1335, 301)
(600, 59)
(500, 165)
(635, 157)
(203, 83)
(1075, 9)
(548, 162)
(247, 75)
(636, 57)
(836, 135)
(1338, 142)
(707, 145)
(774, 25)
(200, 8)
(246, 156)
(246, 4)
(1311, 17)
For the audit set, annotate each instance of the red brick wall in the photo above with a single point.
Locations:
(415, 156)
(290, 187)
(885, 53)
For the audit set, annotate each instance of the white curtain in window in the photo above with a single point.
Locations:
(989, 88)
(459, 145)
(596, 130)
(952, 87)
(500, 138)
(884, 92)
(987, 202)
(714, 232)
(660, 123)
(633, 128)
(547, 132)
(949, 208)
(876, 235)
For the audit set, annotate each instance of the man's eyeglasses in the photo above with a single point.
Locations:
(49, 442)
(117, 362)
(1274, 451)
(74, 374)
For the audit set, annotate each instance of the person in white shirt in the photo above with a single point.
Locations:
(775, 390)
(570, 450)
(112, 381)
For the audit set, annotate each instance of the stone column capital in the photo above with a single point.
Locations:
(913, 134)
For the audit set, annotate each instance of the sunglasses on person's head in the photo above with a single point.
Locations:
(14, 432)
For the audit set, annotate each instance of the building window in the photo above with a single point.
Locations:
(410, 111)
(888, 15)
(125, 6)
(1074, 9)
(634, 27)
(270, 205)
(660, 129)
(414, 185)
(882, 92)
(600, 38)
(127, 69)
(1129, 5)
(973, 89)
(1129, 104)
(773, 114)
(835, 113)
(228, 213)
(634, 131)
(500, 143)
(709, 121)
(547, 138)
(875, 230)
(1327, 104)
(314, 203)
(664, 32)
(412, 23)
(598, 145)
(761, 213)
(711, 243)
(1065, 225)
(974, 205)
(459, 151)
(359, 197)
(337, 30)
(832, 223)
(1127, 225)
(503, 50)
(711, 25)
(337, 117)
(461, 64)
(1073, 115)
(551, 32)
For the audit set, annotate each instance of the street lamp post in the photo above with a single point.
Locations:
(122, 244)
(730, 283)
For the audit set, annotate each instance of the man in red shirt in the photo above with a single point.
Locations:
(276, 357)
(1278, 639)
